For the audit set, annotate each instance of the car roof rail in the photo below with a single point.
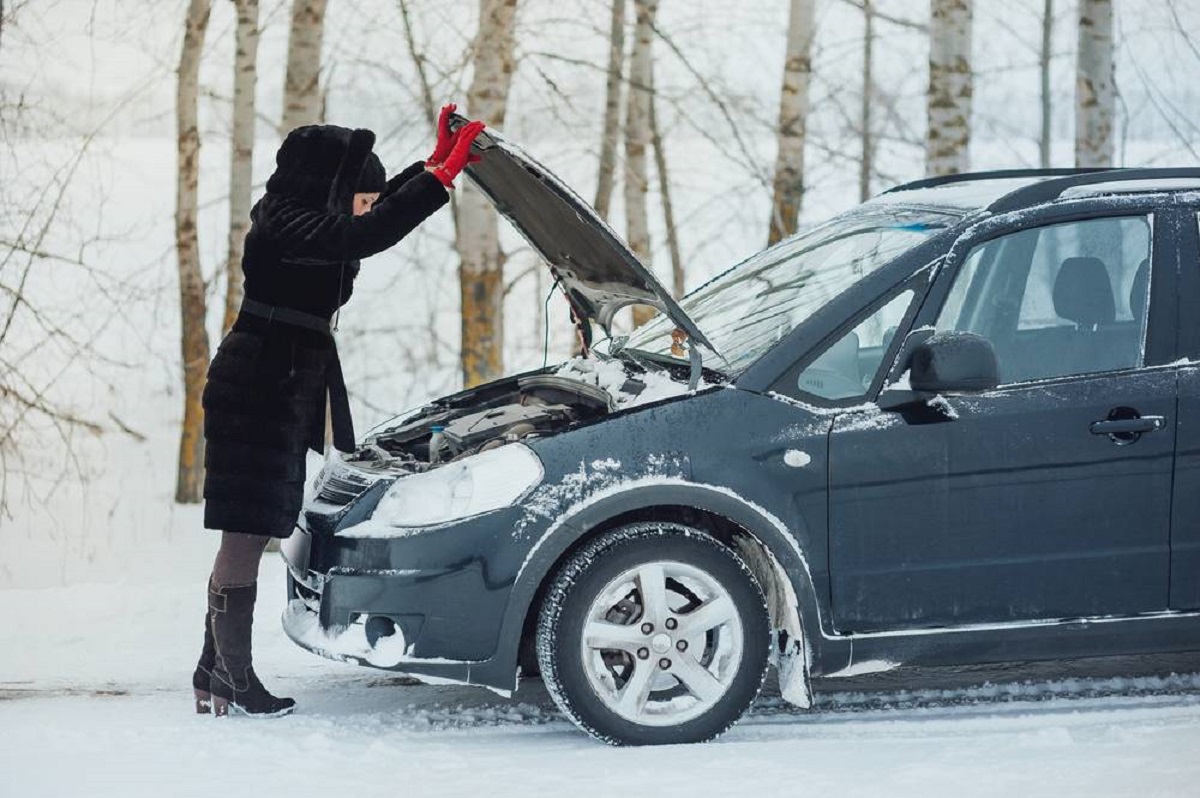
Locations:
(995, 174)
(1052, 189)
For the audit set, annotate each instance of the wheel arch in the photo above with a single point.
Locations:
(762, 541)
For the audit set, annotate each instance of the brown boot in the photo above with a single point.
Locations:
(233, 684)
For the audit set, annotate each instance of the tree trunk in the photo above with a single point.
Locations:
(788, 192)
(1095, 90)
(1044, 70)
(303, 103)
(241, 161)
(949, 101)
(481, 269)
(866, 161)
(612, 110)
(637, 139)
(664, 191)
(190, 476)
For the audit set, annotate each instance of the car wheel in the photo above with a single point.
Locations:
(654, 634)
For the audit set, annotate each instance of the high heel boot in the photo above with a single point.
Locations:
(233, 684)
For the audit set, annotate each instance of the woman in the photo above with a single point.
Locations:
(326, 206)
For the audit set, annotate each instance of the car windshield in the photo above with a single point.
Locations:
(750, 307)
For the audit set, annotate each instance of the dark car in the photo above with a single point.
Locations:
(957, 424)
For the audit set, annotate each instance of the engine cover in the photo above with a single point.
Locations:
(469, 431)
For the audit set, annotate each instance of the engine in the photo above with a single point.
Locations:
(511, 411)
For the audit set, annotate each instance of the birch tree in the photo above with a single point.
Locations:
(302, 101)
(612, 110)
(866, 161)
(241, 160)
(948, 132)
(637, 140)
(1044, 55)
(190, 475)
(1095, 90)
(788, 193)
(481, 269)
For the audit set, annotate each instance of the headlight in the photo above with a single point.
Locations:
(485, 481)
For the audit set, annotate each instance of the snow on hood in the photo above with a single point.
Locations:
(610, 376)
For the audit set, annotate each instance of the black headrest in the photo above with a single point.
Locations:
(1139, 289)
(1083, 292)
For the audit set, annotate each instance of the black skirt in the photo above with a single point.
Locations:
(264, 400)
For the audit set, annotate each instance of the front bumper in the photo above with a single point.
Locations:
(430, 604)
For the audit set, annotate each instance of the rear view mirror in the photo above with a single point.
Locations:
(945, 362)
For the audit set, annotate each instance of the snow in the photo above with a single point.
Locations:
(610, 375)
(95, 701)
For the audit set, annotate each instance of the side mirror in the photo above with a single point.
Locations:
(945, 362)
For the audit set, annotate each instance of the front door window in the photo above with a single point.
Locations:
(1058, 300)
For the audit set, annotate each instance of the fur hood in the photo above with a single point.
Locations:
(323, 166)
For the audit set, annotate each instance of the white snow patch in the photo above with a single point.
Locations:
(942, 404)
(610, 376)
(863, 668)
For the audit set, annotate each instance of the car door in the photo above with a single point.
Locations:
(1048, 497)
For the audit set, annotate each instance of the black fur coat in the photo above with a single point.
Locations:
(264, 399)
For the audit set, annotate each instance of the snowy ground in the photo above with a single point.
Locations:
(94, 701)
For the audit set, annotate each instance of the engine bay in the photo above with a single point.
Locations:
(492, 416)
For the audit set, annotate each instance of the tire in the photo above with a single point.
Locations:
(689, 678)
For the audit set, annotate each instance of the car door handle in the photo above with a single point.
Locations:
(1117, 426)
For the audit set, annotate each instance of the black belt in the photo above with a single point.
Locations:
(335, 381)
(287, 315)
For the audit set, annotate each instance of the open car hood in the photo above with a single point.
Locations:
(593, 265)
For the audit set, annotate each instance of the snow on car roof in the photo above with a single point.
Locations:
(1132, 187)
(967, 195)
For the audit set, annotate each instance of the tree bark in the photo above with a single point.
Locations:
(1095, 89)
(612, 111)
(481, 268)
(303, 103)
(241, 161)
(190, 475)
(664, 191)
(637, 139)
(866, 161)
(788, 194)
(1044, 70)
(948, 133)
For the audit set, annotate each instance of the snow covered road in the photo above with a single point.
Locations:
(94, 681)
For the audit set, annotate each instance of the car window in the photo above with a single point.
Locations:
(846, 368)
(1057, 300)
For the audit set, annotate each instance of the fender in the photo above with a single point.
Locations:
(604, 505)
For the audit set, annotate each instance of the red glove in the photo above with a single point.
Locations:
(445, 139)
(460, 154)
